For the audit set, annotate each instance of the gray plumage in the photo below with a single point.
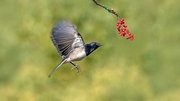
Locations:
(69, 44)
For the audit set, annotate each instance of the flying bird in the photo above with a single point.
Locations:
(70, 44)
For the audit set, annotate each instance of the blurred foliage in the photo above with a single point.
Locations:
(146, 69)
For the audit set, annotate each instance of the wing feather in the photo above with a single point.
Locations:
(66, 38)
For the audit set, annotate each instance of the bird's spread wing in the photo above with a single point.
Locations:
(66, 38)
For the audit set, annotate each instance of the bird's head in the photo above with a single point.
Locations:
(91, 47)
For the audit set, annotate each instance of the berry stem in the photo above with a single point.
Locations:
(121, 26)
(108, 9)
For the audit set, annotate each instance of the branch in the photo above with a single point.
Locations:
(120, 25)
(108, 9)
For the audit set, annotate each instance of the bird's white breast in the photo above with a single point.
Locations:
(77, 54)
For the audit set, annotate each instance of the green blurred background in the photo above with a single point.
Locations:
(146, 69)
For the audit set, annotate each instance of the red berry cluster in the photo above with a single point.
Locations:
(122, 29)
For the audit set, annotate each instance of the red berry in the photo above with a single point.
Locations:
(122, 29)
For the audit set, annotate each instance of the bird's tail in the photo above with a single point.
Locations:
(63, 61)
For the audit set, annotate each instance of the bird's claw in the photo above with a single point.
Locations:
(77, 67)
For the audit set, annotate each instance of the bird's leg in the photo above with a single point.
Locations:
(75, 66)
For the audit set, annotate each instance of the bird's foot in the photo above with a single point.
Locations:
(77, 67)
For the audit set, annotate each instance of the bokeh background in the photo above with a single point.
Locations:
(145, 69)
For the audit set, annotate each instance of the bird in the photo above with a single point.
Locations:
(70, 44)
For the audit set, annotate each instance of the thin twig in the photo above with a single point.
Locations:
(121, 26)
(108, 9)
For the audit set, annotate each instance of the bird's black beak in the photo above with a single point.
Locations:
(100, 44)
